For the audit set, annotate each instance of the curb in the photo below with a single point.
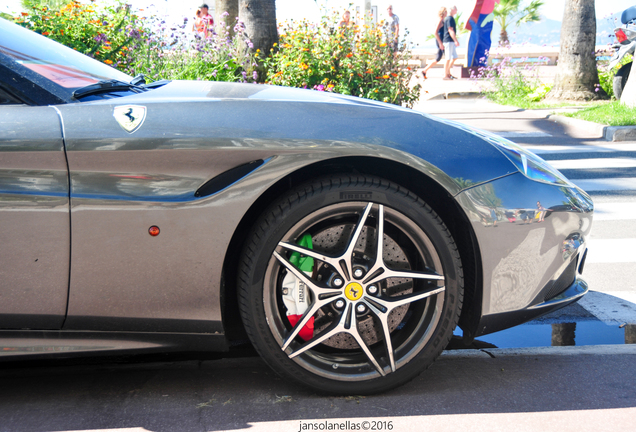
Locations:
(620, 133)
(457, 95)
(595, 130)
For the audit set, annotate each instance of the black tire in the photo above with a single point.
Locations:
(416, 244)
(620, 80)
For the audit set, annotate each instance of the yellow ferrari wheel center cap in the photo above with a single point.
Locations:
(354, 291)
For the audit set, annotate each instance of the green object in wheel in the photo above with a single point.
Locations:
(304, 263)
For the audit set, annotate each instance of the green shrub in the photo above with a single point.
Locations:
(513, 83)
(354, 60)
(105, 33)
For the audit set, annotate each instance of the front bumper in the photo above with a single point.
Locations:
(532, 242)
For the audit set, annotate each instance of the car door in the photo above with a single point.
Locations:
(34, 217)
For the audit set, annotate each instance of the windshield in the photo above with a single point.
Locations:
(52, 61)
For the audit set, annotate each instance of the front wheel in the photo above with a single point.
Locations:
(620, 80)
(350, 285)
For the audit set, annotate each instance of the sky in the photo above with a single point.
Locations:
(420, 17)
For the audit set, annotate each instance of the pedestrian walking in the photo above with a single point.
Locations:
(439, 36)
(480, 25)
(394, 29)
(450, 42)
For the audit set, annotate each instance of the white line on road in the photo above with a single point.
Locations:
(594, 163)
(612, 251)
(588, 148)
(614, 211)
(529, 134)
(572, 420)
(606, 184)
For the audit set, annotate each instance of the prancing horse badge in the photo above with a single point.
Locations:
(130, 117)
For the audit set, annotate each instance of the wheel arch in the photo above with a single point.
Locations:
(416, 181)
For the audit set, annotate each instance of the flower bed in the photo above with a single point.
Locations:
(352, 60)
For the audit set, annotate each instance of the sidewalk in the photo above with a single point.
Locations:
(435, 87)
(523, 126)
(461, 100)
(532, 126)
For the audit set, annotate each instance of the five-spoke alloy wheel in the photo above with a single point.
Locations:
(351, 285)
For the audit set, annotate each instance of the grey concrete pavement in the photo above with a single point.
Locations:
(435, 87)
(534, 126)
(551, 389)
(522, 126)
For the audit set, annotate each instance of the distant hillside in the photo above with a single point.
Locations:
(544, 32)
(548, 32)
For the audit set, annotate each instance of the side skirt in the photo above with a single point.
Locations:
(39, 344)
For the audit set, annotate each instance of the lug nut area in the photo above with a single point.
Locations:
(358, 272)
(361, 308)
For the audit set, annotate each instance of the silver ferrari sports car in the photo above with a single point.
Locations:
(345, 238)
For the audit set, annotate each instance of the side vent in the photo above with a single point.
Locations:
(227, 178)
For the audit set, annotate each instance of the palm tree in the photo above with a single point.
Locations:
(577, 74)
(509, 12)
(259, 17)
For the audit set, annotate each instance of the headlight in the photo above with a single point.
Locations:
(531, 165)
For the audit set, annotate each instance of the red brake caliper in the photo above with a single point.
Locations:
(295, 292)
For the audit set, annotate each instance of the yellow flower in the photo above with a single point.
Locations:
(108, 62)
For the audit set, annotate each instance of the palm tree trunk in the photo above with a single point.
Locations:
(224, 21)
(503, 38)
(259, 17)
(577, 76)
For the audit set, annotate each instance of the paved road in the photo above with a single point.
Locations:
(551, 389)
